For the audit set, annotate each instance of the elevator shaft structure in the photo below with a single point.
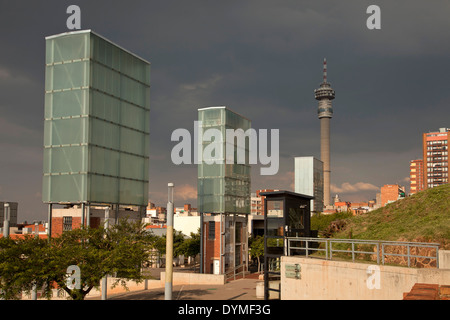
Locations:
(325, 94)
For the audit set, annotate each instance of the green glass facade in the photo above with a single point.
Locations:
(223, 187)
(96, 134)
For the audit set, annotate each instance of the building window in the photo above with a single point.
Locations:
(238, 232)
(211, 230)
(67, 223)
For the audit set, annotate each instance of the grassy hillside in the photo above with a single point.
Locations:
(424, 216)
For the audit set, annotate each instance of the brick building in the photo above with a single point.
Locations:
(225, 240)
(257, 204)
(391, 193)
(435, 158)
(66, 219)
(416, 176)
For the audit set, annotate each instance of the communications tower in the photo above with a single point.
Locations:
(325, 94)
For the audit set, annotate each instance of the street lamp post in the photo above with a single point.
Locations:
(169, 244)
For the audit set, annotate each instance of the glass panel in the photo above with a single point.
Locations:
(67, 76)
(211, 170)
(131, 192)
(66, 103)
(132, 167)
(132, 141)
(103, 189)
(104, 106)
(211, 204)
(65, 131)
(105, 79)
(65, 160)
(275, 227)
(212, 186)
(64, 188)
(274, 208)
(295, 218)
(67, 48)
(104, 161)
(133, 116)
(104, 134)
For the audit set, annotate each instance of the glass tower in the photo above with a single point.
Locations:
(223, 186)
(96, 136)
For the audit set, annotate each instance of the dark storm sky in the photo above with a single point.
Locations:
(263, 59)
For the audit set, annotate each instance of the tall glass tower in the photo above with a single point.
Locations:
(96, 136)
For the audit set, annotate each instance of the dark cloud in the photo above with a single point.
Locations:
(262, 59)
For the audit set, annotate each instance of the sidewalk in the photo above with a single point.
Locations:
(240, 289)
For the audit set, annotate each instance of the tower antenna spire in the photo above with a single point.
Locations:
(325, 70)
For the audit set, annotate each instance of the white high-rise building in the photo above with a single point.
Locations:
(309, 180)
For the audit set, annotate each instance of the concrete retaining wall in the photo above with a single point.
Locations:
(338, 280)
(444, 259)
(179, 278)
(194, 278)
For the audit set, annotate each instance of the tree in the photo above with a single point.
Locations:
(119, 251)
(23, 265)
(256, 246)
(191, 246)
(178, 244)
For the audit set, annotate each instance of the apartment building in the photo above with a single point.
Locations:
(435, 158)
(416, 176)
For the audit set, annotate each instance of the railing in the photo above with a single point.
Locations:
(233, 273)
(310, 246)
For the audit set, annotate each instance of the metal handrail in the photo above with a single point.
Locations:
(352, 242)
(233, 274)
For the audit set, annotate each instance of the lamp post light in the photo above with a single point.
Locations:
(6, 220)
(169, 244)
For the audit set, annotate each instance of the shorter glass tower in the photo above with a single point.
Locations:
(223, 191)
(223, 186)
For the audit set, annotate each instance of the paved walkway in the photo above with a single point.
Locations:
(240, 289)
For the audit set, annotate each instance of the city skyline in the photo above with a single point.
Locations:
(262, 58)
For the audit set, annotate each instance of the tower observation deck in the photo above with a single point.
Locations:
(325, 94)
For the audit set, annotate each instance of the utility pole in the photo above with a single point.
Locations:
(169, 244)
(34, 288)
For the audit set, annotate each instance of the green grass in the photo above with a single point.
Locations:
(423, 217)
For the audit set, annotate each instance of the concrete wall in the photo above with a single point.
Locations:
(338, 280)
(179, 278)
(194, 278)
(444, 259)
(132, 286)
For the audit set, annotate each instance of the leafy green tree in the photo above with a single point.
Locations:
(178, 244)
(191, 246)
(20, 265)
(121, 250)
(256, 249)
